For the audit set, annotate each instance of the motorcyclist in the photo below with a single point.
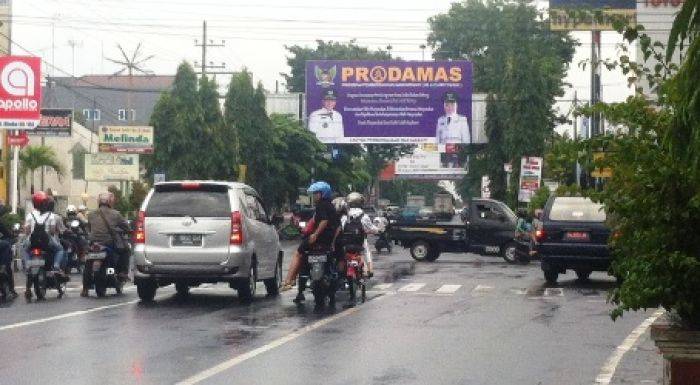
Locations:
(6, 252)
(42, 217)
(355, 203)
(106, 226)
(326, 222)
(82, 214)
(72, 215)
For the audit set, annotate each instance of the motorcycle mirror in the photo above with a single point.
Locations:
(75, 223)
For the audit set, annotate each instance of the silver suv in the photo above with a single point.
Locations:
(194, 232)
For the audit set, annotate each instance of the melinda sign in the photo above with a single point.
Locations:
(126, 139)
(390, 101)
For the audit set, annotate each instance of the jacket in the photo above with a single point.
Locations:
(99, 230)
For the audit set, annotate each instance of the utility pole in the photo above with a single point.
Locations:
(578, 165)
(205, 44)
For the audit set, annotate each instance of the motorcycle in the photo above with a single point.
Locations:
(382, 242)
(41, 275)
(72, 241)
(17, 249)
(101, 270)
(354, 275)
(323, 276)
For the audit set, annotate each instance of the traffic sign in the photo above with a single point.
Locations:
(20, 92)
(20, 139)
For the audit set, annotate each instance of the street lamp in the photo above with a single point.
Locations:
(422, 47)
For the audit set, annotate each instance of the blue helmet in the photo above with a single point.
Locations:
(322, 187)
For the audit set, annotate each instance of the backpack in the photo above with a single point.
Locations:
(39, 237)
(353, 231)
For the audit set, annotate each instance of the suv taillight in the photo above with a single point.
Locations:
(140, 230)
(236, 228)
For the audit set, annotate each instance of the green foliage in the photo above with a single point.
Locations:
(560, 159)
(653, 198)
(79, 118)
(324, 50)
(298, 152)
(397, 190)
(34, 157)
(521, 64)
(180, 131)
(539, 199)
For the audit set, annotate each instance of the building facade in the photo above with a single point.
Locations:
(106, 100)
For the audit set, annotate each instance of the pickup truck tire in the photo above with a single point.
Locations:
(423, 251)
(509, 253)
(551, 276)
(583, 275)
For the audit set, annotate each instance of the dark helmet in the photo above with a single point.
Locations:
(39, 200)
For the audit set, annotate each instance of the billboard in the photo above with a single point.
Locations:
(590, 15)
(20, 92)
(54, 122)
(111, 167)
(410, 102)
(530, 177)
(433, 161)
(126, 139)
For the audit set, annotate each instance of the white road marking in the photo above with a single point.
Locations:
(383, 286)
(226, 365)
(66, 315)
(481, 289)
(553, 292)
(448, 289)
(518, 291)
(608, 370)
(412, 287)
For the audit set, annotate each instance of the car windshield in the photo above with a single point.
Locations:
(189, 203)
(576, 210)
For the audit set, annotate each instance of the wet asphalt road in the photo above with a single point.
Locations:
(464, 319)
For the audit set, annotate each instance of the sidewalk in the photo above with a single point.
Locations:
(641, 365)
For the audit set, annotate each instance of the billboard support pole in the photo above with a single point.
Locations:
(15, 177)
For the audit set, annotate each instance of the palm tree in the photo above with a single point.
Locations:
(34, 157)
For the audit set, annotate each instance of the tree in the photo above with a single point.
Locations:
(178, 121)
(248, 129)
(653, 197)
(324, 50)
(521, 63)
(34, 157)
(298, 154)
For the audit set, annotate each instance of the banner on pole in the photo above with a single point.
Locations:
(20, 92)
(530, 177)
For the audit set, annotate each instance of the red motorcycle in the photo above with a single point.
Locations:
(354, 274)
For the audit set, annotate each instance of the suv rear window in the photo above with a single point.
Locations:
(576, 210)
(196, 203)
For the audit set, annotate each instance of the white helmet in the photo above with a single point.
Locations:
(71, 209)
(355, 200)
(82, 208)
(340, 204)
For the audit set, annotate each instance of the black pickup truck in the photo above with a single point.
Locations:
(484, 226)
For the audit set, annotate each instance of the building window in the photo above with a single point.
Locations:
(96, 114)
(87, 114)
(133, 115)
(122, 114)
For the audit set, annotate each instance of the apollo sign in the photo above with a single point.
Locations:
(20, 92)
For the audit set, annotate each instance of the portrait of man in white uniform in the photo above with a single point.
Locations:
(326, 122)
(452, 127)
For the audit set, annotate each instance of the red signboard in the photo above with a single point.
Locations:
(20, 92)
(20, 139)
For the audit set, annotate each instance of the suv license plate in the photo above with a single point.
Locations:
(187, 240)
(317, 258)
(577, 236)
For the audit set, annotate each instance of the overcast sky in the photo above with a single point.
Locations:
(255, 33)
